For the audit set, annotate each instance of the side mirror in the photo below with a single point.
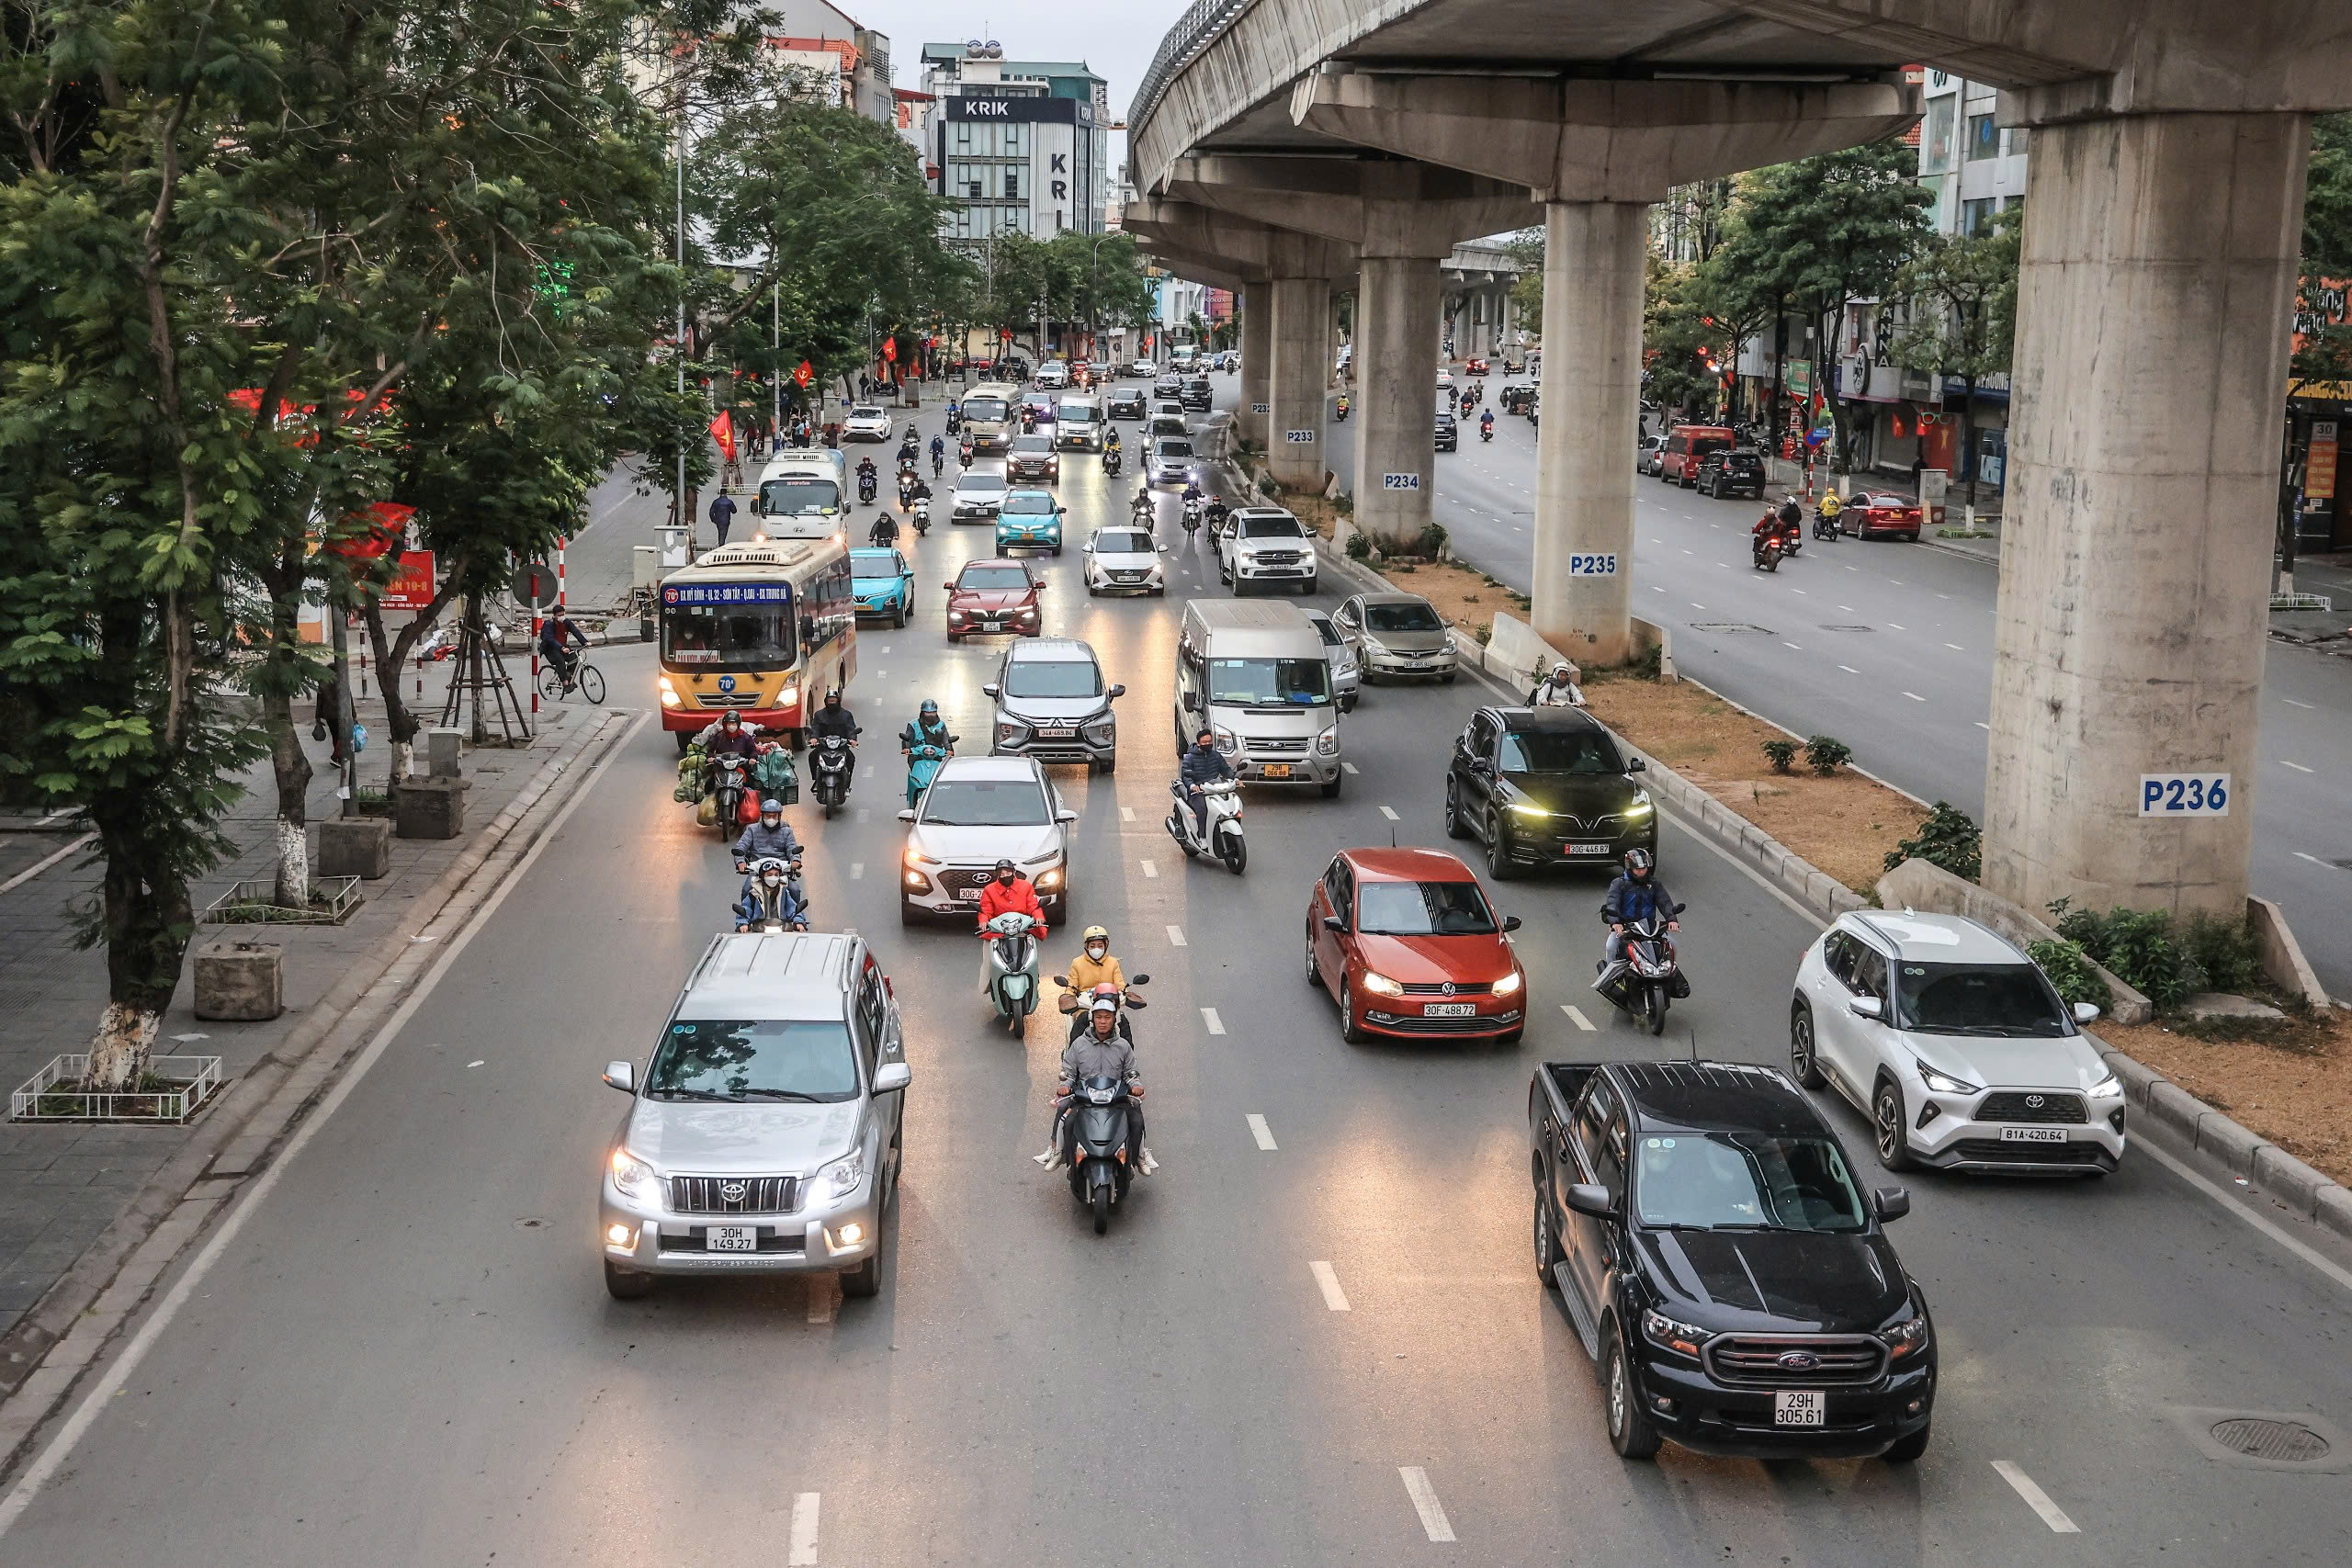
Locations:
(1038, 583)
(1592, 1198)
(1065, 816)
(620, 1076)
(1333, 923)
(892, 1076)
(949, 586)
(2085, 1012)
(990, 689)
(1891, 1203)
(1865, 1007)
(906, 815)
(1511, 923)
(1635, 765)
(1140, 980)
(1114, 692)
(1192, 702)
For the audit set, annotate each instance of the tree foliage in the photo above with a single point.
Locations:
(1960, 293)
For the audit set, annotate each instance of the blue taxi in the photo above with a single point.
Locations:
(1029, 520)
(882, 583)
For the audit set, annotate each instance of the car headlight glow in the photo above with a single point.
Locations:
(630, 1174)
(1509, 985)
(1944, 1083)
(1683, 1339)
(1381, 984)
(2108, 1088)
(1904, 1338)
(844, 1176)
(1641, 804)
(1529, 809)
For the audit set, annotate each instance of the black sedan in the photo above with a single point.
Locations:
(1124, 403)
(1545, 787)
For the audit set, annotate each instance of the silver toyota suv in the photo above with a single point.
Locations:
(763, 1132)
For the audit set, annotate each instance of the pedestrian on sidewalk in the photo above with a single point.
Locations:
(722, 514)
(328, 723)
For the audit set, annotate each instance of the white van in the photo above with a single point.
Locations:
(1078, 424)
(800, 496)
(1255, 674)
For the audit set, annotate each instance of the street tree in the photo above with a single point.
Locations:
(1959, 292)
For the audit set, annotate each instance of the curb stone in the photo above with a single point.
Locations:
(63, 1333)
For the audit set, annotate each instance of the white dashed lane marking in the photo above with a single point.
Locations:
(1434, 1523)
(1126, 814)
(1261, 1131)
(802, 1547)
(2296, 766)
(2293, 704)
(1915, 697)
(1576, 1017)
(1149, 869)
(1850, 669)
(857, 871)
(1347, 767)
(1176, 936)
(1390, 813)
(2036, 1498)
(1333, 1297)
(1215, 1025)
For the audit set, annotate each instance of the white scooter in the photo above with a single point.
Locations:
(1013, 968)
(1224, 842)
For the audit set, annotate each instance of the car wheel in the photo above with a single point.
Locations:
(864, 1282)
(626, 1284)
(1889, 1126)
(1314, 970)
(1499, 865)
(1547, 1244)
(954, 637)
(1912, 537)
(1630, 1432)
(1906, 1450)
(1089, 591)
(1454, 827)
(909, 914)
(1109, 764)
(1331, 790)
(902, 614)
(1802, 1066)
(1448, 680)
(686, 740)
(1350, 1031)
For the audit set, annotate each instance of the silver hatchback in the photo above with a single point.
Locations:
(761, 1135)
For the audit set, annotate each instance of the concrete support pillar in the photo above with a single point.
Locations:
(1584, 469)
(1397, 300)
(2156, 289)
(1302, 359)
(1256, 362)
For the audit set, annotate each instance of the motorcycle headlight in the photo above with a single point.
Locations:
(1509, 985)
(1328, 743)
(1944, 1083)
(1667, 1334)
(844, 1175)
(1381, 984)
(630, 1174)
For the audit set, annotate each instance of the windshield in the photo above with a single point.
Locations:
(994, 580)
(729, 637)
(1272, 528)
(1053, 678)
(710, 1059)
(1978, 998)
(1079, 413)
(1029, 503)
(1422, 908)
(983, 408)
(1032, 444)
(799, 497)
(1123, 542)
(1558, 751)
(980, 484)
(1701, 448)
(1745, 1181)
(876, 563)
(1326, 630)
(1269, 682)
(1171, 448)
(865, 414)
(985, 803)
(1411, 617)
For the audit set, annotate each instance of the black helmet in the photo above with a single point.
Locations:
(929, 707)
(833, 698)
(1637, 864)
(1003, 866)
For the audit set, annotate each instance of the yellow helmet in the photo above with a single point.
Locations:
(1095, 933)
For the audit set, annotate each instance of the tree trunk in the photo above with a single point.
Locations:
(293, 774)
(146, 924)
(391, 660)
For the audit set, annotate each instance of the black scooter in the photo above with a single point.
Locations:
(1825, 528)
(1111, 463)
(867, 487)
(829, 765)
(1095, 1141)
(1768, 552)
(1649, 978)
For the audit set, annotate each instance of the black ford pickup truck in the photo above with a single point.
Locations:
(1723, 1266)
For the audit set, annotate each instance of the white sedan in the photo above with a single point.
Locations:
(1125, 559)
(867, 423)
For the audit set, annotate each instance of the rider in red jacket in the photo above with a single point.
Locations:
(1011, 893)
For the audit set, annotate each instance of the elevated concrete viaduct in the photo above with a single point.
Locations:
(2164, 209)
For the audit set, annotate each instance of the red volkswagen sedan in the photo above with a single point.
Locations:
(992, 595)
(1897, 515)
(1407, 942)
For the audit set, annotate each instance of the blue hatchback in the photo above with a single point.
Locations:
(882, 583)
(1029, 520)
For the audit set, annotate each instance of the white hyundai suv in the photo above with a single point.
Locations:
(977, 811)
(1956, 1047)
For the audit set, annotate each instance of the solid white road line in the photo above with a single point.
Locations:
(857, 871)
(1209, 1017)
(804, 1532)
(36, 869)
(1149, 869)
(1347, 767)
(1126, 814)
(2325, 1265)
(1333, 1297)
(2036, 1498)
(1850, 669)
(1425, 1503)
(1983, 726)
(1176, 936)
(1390, 813)
(1260, 1131)
(2293, 704)
(2296, 766)
(2314, 859)
(1576, 1017)
(37, 1474)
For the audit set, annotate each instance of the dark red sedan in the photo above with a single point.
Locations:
(993, 595)
(1896, 516)
(1407, 942)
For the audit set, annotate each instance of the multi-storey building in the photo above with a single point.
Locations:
(1017, 145)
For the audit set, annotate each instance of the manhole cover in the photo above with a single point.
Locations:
(1730, 628)
(2281, 1442)
(1845, 629)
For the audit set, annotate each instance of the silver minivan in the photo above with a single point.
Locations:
(761, 1135)
(1051, 704)
(1255, 675)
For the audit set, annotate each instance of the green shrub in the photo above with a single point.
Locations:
(2142, 949)
(1946, 837)
(1783, 753)
(2069, 968)
(1266, 486)
(1824, 753)
(1432, 542)
(1344, 504)
(1359, 547)
(2224, 951)
(1649, 666)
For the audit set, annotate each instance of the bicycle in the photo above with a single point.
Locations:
(586, 679)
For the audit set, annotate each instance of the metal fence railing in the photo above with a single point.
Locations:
(1194, 31)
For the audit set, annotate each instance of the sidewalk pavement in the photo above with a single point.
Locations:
(64, 1185)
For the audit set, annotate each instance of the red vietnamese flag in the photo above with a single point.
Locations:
(387, 525)
(722, 430)
(802, 376)
(891, 348)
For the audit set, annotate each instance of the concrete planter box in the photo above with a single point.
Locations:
(355, 846)
(431, 809)
(239, 981)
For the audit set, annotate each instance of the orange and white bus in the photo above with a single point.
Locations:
(764, 628)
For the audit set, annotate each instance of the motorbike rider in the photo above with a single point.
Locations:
(1100, 1052)
(938, 455)
(834, 718)
(1110, 444)
(1486, 423)
(1560, 689)
(1636, 894)
(771, 836)
(1831, 505)
(867, 478)
(927, 728)
(914, 491)
(1203, 764)
(731, 736)
(1092, 968)
(1788, 523)
(884, 532)
(1010, 893)
(749, 909)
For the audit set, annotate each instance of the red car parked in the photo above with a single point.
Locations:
(1866, 514)
(1407, 942)
(992, 595)
(1475, 367)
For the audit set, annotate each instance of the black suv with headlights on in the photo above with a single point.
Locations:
(1723, 1266)
(1545, 787)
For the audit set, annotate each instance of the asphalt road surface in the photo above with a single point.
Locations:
(1334, 1349)
(1889, 647)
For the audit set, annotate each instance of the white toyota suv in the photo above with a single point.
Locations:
(1955, 1045)
(1265, 546)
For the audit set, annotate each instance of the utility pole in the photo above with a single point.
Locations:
(684, 518)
